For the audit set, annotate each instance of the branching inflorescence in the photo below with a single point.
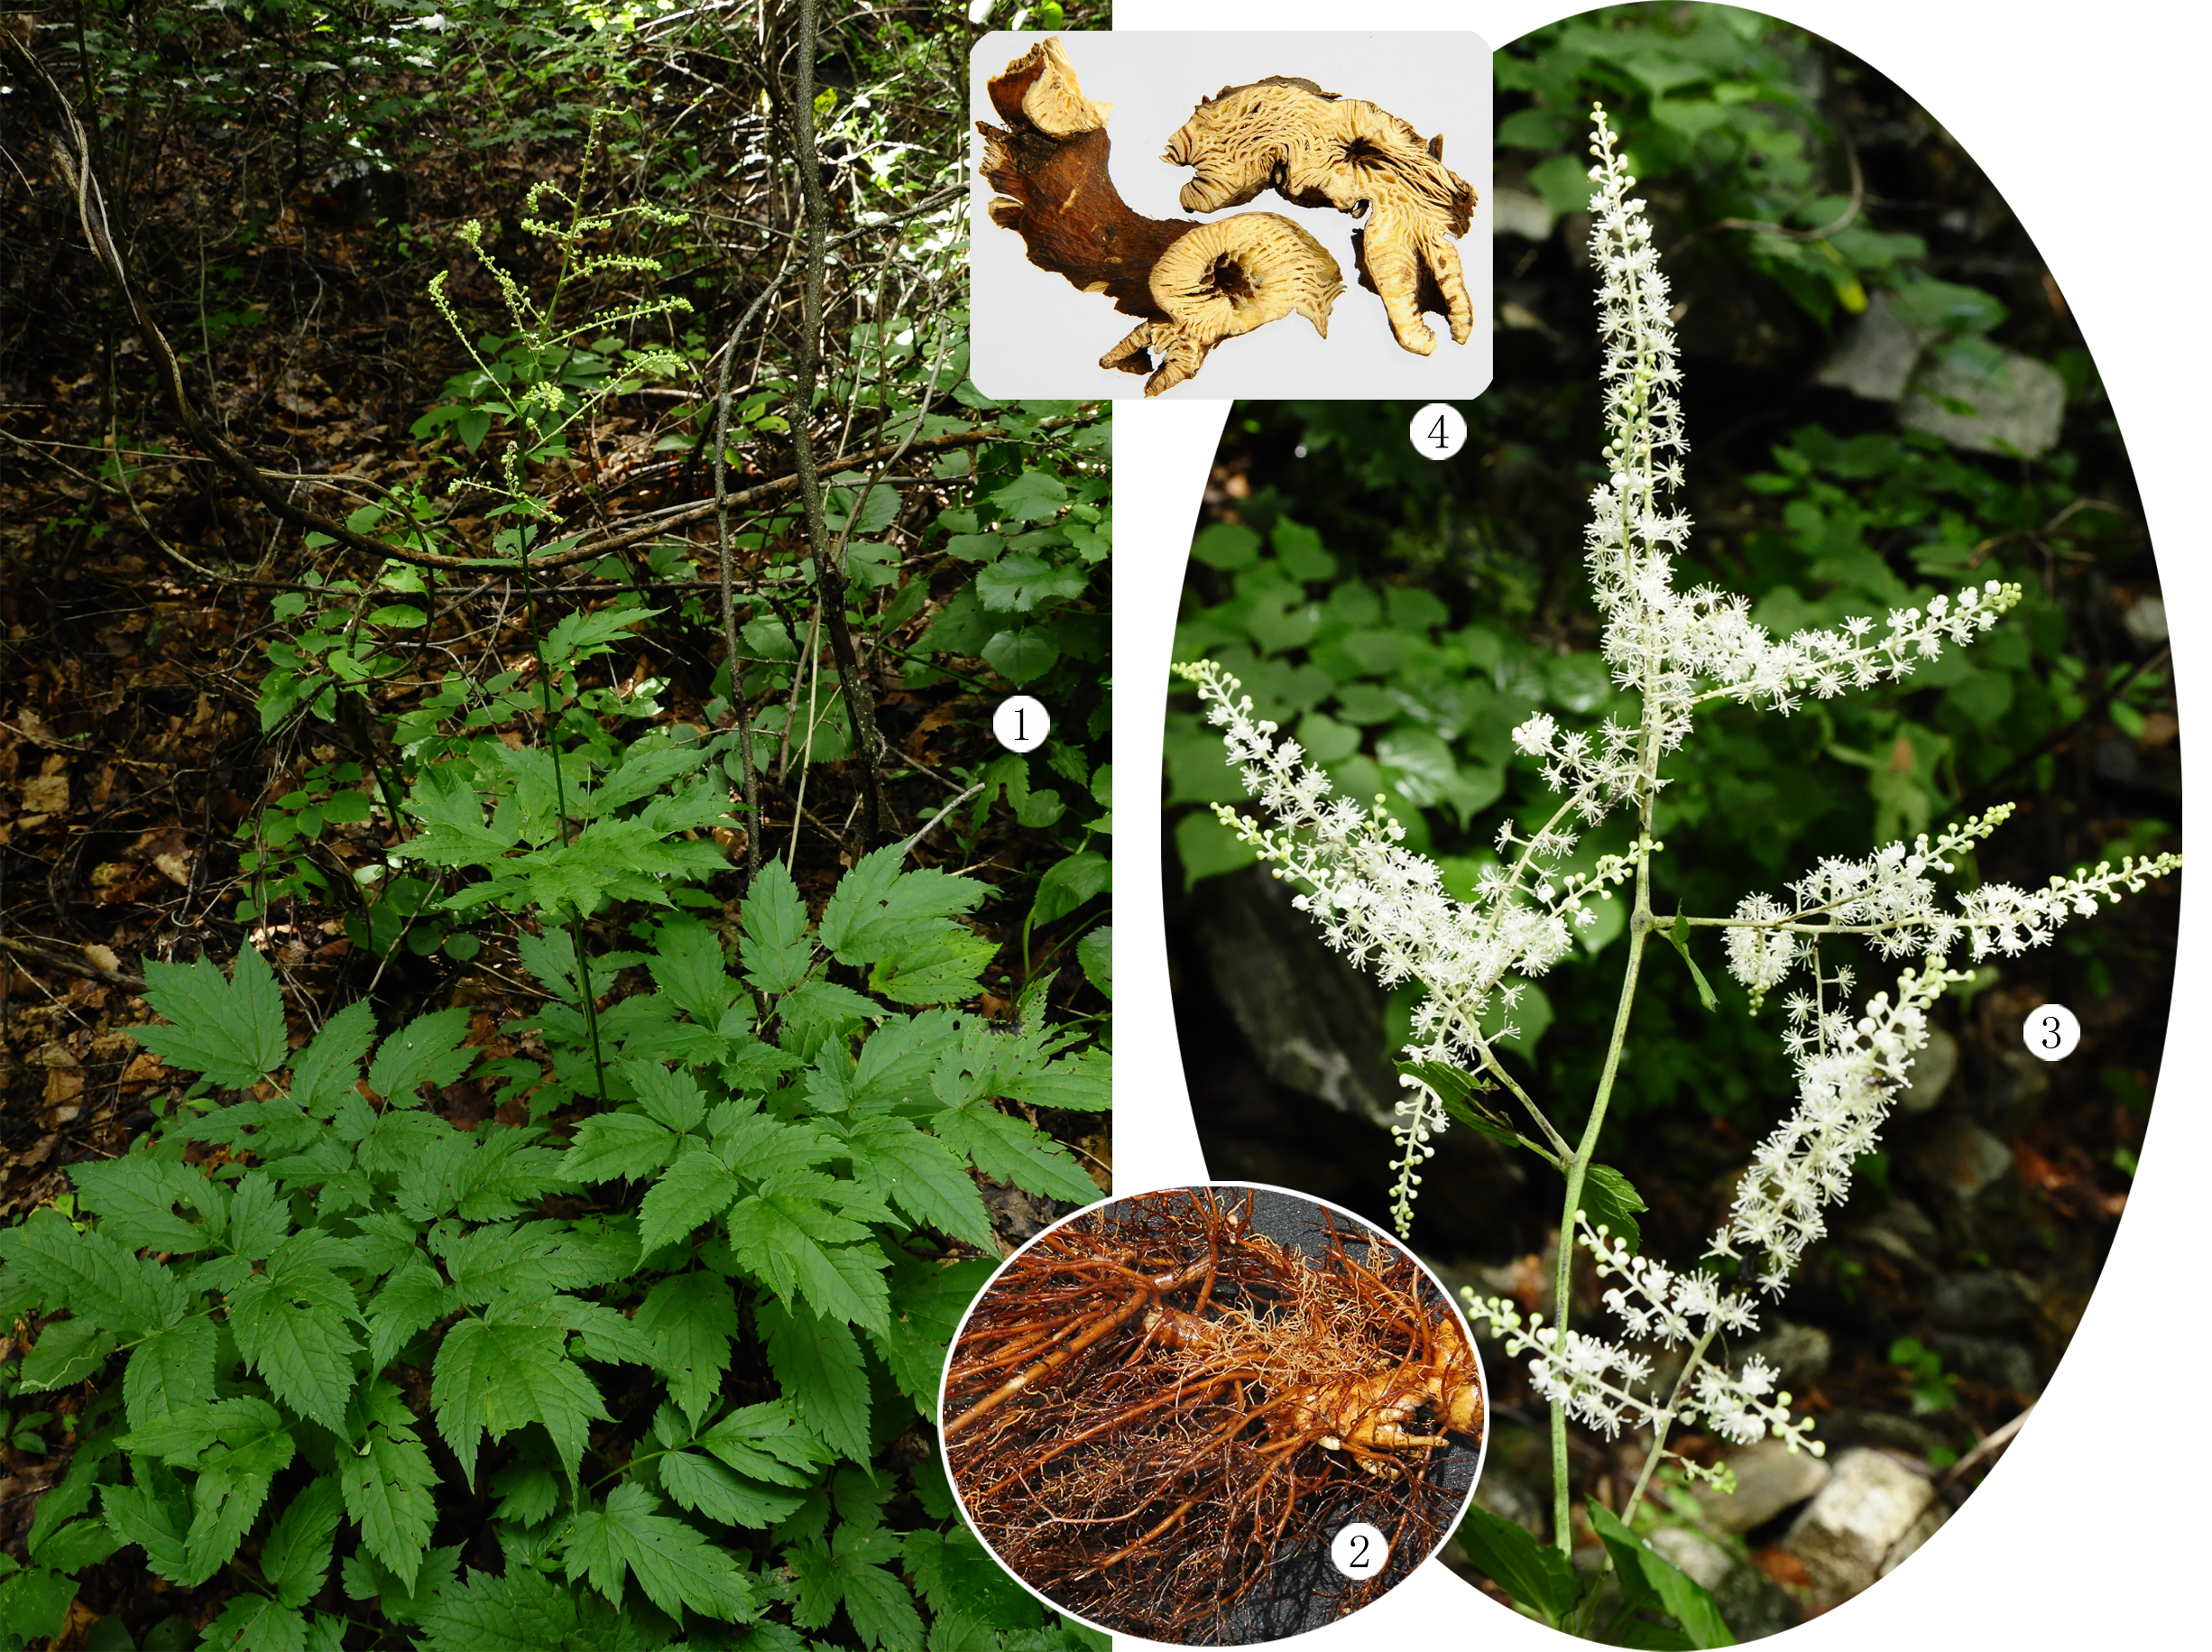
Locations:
(1674, 650)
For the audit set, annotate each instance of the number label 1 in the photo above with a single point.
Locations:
(1021, 723)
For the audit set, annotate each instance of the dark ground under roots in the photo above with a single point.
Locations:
(1251, 1561)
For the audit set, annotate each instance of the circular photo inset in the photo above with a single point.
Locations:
(1213, 1415)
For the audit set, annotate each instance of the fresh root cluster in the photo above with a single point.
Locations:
(1157, 1411)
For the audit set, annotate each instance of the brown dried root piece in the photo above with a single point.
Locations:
(1192, 284)
(1317, 149)
(1223, 281)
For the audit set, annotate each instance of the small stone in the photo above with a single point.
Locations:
(1845, 1534)
(1875, 359)
(1929, 1522)
(2146, 620)
(1932, 1072)
(1769, 1478)
(2007, 403)
(1902, 1231)
(2001, 1364)
(1964, 1160)
(1799, 1354)
(1996, 1299)
(2017, 1092)
(1706, 1562)
(1516, 212)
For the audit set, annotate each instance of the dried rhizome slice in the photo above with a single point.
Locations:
(1192, 284)
(1317, 149)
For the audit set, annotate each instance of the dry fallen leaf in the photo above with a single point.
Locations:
(145, 1068)
(104, 956)
(175, 868)
(46, 794)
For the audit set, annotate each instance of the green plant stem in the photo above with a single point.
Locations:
(1640, 924)
(1666, 1421)
(560, 803)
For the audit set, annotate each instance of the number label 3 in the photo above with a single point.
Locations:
(2050, 1032)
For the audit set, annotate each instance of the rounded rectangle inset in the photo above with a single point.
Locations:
(1285, 216)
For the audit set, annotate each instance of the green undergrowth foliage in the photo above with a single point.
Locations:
(631, 1371)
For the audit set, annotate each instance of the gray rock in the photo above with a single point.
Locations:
(1995, 1300)
(1875, 359)
(2001, 1364)
(1706, 1562)
(1900, 1434)
(1799, 1354)
(1932, 1071)
(1930, 1521)
(1315, 1021)
(1987, 400)
(1902, 1231)
(1845, 1534)
(1516, 212)
(2146, 620)
(2017, 1090)
(1769, 1478)
(1963, 1159)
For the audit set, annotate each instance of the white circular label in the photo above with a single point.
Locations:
(2050, 1031)
(1438, 430)
(1021, 723)
(1359, 1550)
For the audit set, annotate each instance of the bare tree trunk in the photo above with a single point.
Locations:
(829, 576)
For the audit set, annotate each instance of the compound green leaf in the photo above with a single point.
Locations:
(877, 910)
(697, 1187)
(170, 1370)
(691, 1318)
(68, 1352)
(608, 1146)
(326, 1069)
(922, 1176)
(427, 1049)
(134, 1195)
(290, 1323)
(672, 1099)
(387, 1481)
(412, 1299)
(689, 965)
(256, 1623)
(673, 1564)
(493, 1378)
(706, 1488)
(231, 1030)
(296, 1557)
(94, 1276)
(35, 1603)
(775, 949)
(824, 1380)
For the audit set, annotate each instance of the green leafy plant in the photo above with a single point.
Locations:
(671, 1335)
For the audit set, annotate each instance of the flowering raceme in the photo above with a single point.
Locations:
(1384, 907)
